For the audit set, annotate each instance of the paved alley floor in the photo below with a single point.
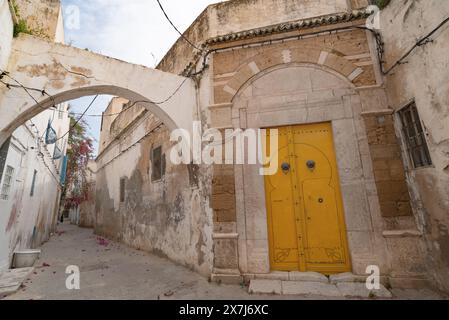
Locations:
(114, 271)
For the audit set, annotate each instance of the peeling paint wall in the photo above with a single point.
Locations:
(28, 218)
(43, 18)
(87, 208)
(6, 32)
(169, 217)
(424, 78)
(109, 115)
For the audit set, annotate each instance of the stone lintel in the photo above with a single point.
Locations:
(402, 234)
(376, 113)
(224, 236)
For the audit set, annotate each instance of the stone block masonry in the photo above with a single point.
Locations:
(388, 167)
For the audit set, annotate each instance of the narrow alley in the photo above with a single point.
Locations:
(111, 271)
(239, 150)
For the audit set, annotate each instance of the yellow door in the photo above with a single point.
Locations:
(304, 204)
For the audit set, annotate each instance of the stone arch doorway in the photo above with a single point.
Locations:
(293, 94)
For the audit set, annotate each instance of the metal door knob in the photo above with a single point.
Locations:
(285, 167)
(311, 164)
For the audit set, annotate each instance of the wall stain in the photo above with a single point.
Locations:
(443, 241)
(56, 73)
(167, 217)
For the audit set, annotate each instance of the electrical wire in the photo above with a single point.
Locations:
(41, 154)
(139, 141)
(79, 119)
(9, 86)
(83, 114)
(4, 73)
(421, 42)
(177, 30)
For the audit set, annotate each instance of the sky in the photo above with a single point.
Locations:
(131, 30)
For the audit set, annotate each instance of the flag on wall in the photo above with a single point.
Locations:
(50, 136)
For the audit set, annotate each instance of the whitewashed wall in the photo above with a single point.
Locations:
(6, 32)
(25, 220)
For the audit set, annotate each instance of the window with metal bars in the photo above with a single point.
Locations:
(415, 137)
(3, 155)
(61, 111)
(122, 190)
(157, 164)
(7, 183)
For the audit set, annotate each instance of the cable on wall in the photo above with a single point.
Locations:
(421, 42)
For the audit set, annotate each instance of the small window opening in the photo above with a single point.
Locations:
(122, 190)
(415, 138)
(157, 164)
(7, 183)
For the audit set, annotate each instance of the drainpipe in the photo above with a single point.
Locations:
(197, 81)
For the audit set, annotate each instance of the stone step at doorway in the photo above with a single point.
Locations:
(341, 286)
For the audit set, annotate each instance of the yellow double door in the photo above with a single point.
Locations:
(306, 223)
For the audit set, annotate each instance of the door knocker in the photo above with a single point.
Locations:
(311, 165)
(285, 167)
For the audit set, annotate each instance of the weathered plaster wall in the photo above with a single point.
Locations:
(114, 108)
(6, 33)
(169, 217)
(424, 78)
(27, 220)
(87, 208)
(43, 17)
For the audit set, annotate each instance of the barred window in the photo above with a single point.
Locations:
(60, 111)
(157, 164)
(414, 136)
(7, 183)
(122, 190)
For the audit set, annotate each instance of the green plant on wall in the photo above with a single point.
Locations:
(381, 3)
(21, 27)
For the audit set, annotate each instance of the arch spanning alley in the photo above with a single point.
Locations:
(67, 73)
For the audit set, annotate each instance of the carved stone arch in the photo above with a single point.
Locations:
(265, 72)
(325, 58)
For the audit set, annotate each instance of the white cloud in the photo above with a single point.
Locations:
(132, 30)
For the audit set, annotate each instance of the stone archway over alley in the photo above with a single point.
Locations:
(65, 73)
